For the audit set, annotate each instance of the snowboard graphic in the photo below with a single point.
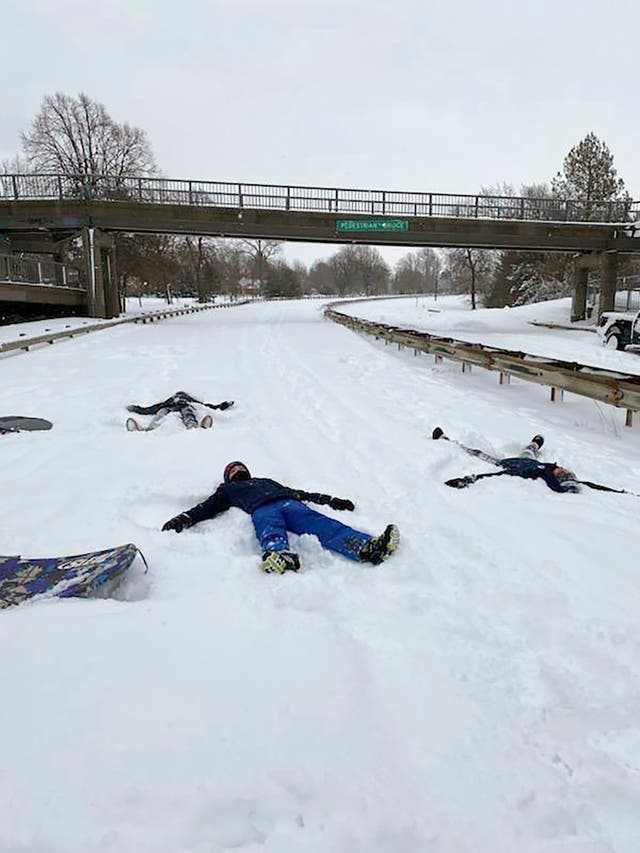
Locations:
(16, 423)
(22, 578)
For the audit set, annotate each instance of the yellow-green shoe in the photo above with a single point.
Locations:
(381, 547)
(280, 562)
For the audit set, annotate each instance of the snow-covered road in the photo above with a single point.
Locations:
(479, 692)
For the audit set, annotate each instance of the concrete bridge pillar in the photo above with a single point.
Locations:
(609, 274)
(579, 301)
(102, 279)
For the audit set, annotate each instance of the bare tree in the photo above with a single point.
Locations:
(417, 272)
(259, 253)
(11, 166)
(321, 277)
(471, 270)
(359, 269)
(78, 138)
(14, 165)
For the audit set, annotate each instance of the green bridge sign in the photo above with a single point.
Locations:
(372, 224)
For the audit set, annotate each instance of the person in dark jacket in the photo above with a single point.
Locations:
(180, 402)
(276, 509)
(527, 465)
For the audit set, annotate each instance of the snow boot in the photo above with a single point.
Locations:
(280, 562)
(538, 440)
(133, 425)
(378, 548)
(206, 422)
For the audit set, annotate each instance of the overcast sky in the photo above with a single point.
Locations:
(427, 95)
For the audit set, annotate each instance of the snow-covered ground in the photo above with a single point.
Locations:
(135, 306)
(507, 328)
(478, 693)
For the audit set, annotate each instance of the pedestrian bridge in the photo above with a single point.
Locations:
(38, 280)
(51, 208)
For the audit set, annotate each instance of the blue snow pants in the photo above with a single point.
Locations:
(273, 520)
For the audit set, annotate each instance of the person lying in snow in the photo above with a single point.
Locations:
(180, 402)
(276, 509)
(525, 465)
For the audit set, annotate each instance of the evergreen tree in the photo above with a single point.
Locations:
(588, 176)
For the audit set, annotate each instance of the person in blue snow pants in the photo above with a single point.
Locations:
(273, 520)
(276, 510)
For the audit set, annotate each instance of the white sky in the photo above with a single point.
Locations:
(425, 95)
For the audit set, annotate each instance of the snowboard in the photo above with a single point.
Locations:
(16, 423)
(96, 573)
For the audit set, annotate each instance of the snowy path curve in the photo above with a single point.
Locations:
(479, 692)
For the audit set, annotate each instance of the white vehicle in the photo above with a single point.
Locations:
(619, 329)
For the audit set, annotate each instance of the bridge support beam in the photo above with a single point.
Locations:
(102, 279)
(579, 301)
(609, 274)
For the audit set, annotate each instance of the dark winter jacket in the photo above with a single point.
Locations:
(528, 469)
(175, 403)
(531, 469)
(249, 495)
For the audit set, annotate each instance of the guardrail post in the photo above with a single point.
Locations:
(430, 204)
(466, 368)
(240, 199)
(39, 265)
(190, 194)
(437, 359)
(557, 394)
(476, 207)
(505, 379)
(384, 202)
(628, 421)
(14, 183)
(60, 186)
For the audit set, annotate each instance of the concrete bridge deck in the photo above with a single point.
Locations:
(48, 209)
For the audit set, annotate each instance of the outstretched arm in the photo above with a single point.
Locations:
(225, 404)
(214, 505)
(463, 482)
(600, 488)
(325, 500)
(146, 410)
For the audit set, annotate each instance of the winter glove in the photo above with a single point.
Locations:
(341, 503)
(179, 523)
(226, 404)
(460, 482)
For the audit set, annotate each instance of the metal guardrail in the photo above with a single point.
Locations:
(52, 337)
(33, 270)
(607, 386)
(15, 187)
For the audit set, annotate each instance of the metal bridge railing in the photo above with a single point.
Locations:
(311, 199)
(30, 270)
